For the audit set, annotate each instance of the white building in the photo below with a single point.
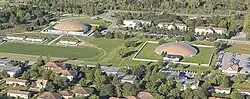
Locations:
(17, 93)
(68, 42)
(133, 23)
(34, 39)
(218, 89)
(14, 38)
(173, 26)
(129, 79)
(209, 30)
(17, 81)
(244, 91)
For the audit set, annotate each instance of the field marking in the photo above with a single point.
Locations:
(55, 39)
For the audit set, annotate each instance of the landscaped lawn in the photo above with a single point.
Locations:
(148, 52)
(239, 48)
(93, 21)
(202, 57)
(53, 51)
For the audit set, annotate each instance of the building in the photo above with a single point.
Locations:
(35, 39)
(129, 79)
(66, 94)
(41, 83)
(109, 70)
(231, 69)
(218, 89)
(176, 48)
(14, 38)
(4, 62)
(11, 70)
(134, 23)
(50, 95)
(17, 81)
(244, 91)
(81, 91)
(173, 26)
(18, 93)
(209, 30)
(70, 28)
(174, 58)
(193, 84)
(68, 42)
(68, 74)
(145, 95)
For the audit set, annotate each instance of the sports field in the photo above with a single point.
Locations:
(148, 52)
(92, 21)
(53, 51)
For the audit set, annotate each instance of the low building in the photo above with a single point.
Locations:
(67, 94)
(41, 83)
(81, 91)
(174, 58)
(35, 39)
(17, 81)
(68, 42)
(129, 79)
(15, 38)
(4, 62)
(209, 30)
(109, 70)
(145, 95)
(173, 26)
(134, 23)
(12, 70)
(19, 94)
(231, 69)
(50, 95)
(218, 89)
(244, 91)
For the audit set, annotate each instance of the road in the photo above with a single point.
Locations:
(234, 41)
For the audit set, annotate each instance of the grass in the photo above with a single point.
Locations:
(244, 85)
(54, 51)
(148, 52)
(239, 48)
(195, 68)
(93, 21)
(202, 57)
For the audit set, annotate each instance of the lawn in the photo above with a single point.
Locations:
(202, 57)
(93, 21)
(244, 85)
(54, 51)
(148, 52)
(239, 48)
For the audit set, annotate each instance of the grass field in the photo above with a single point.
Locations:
(244, 85)
(93, 21)
(54, 51)
(239, 48)
(148, 52)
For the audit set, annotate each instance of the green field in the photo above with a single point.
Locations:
(148, 52)
(202, 57)
(54, 51)
(239, 48)
(92, 21)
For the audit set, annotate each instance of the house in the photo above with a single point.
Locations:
(35, 39)
(145, 95)
(17, 81)
(173, 26)
(218, 89)
(209, 30)
(233, 69)
(109, 70)
(41, 83)
(129, 79)
(81, 91)
(66, 94)
(18, 93)
(244, 91)
(11, 70)
(15, 38)
(174, 58)
(50, 95)
(66, 73)
(134, 23)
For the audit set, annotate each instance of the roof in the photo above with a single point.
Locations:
(66, 73)
(81, 90)
(244, 90)
(41, 81)
(71, 26)
(129, 77)
(131, 97)
(145, 95)
(16, 80)
(66, 93)
(221, 88)
(50, 95)
(176, 48)
(19, 92)
(233, 67)
(109, 69)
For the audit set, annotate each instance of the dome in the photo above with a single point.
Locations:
(70, 26)
(177, 48)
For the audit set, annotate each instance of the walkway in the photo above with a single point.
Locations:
(55, 39)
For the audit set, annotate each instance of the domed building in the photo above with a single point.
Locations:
(70, 27)
(177, 48)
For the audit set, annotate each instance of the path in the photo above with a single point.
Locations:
(234, 41)
(55, 39)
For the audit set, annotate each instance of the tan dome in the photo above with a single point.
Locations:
(70, 26)
(177, 48)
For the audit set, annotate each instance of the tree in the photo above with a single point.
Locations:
(121, 52)
(26, 75)
(94, 97)
(161, 42)
(98, 79)
(83, 82)
(47, 59)
(239, 78)
(50, 87)
(107, 90)
(236, 95)
(128, 89)
(246, 25)
(180, 38)
(39, 61)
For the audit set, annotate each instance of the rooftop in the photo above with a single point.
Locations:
(19, 92)
(16, 80)
(50, 95)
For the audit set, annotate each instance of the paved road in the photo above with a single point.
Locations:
(234, 41)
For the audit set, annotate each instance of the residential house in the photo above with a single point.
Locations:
(209, 30)
(129, 79)
(173, 26)
(17, 81)
(134, 23)
(109, 70)
(66, 73)
(232, 69)
(66, 94)
(145, 95)
(81, 91)
(218, 89)
(15, 38)
(244, 91)
(11, 70)
(41, 83)
(50, 95)
(18, 93)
